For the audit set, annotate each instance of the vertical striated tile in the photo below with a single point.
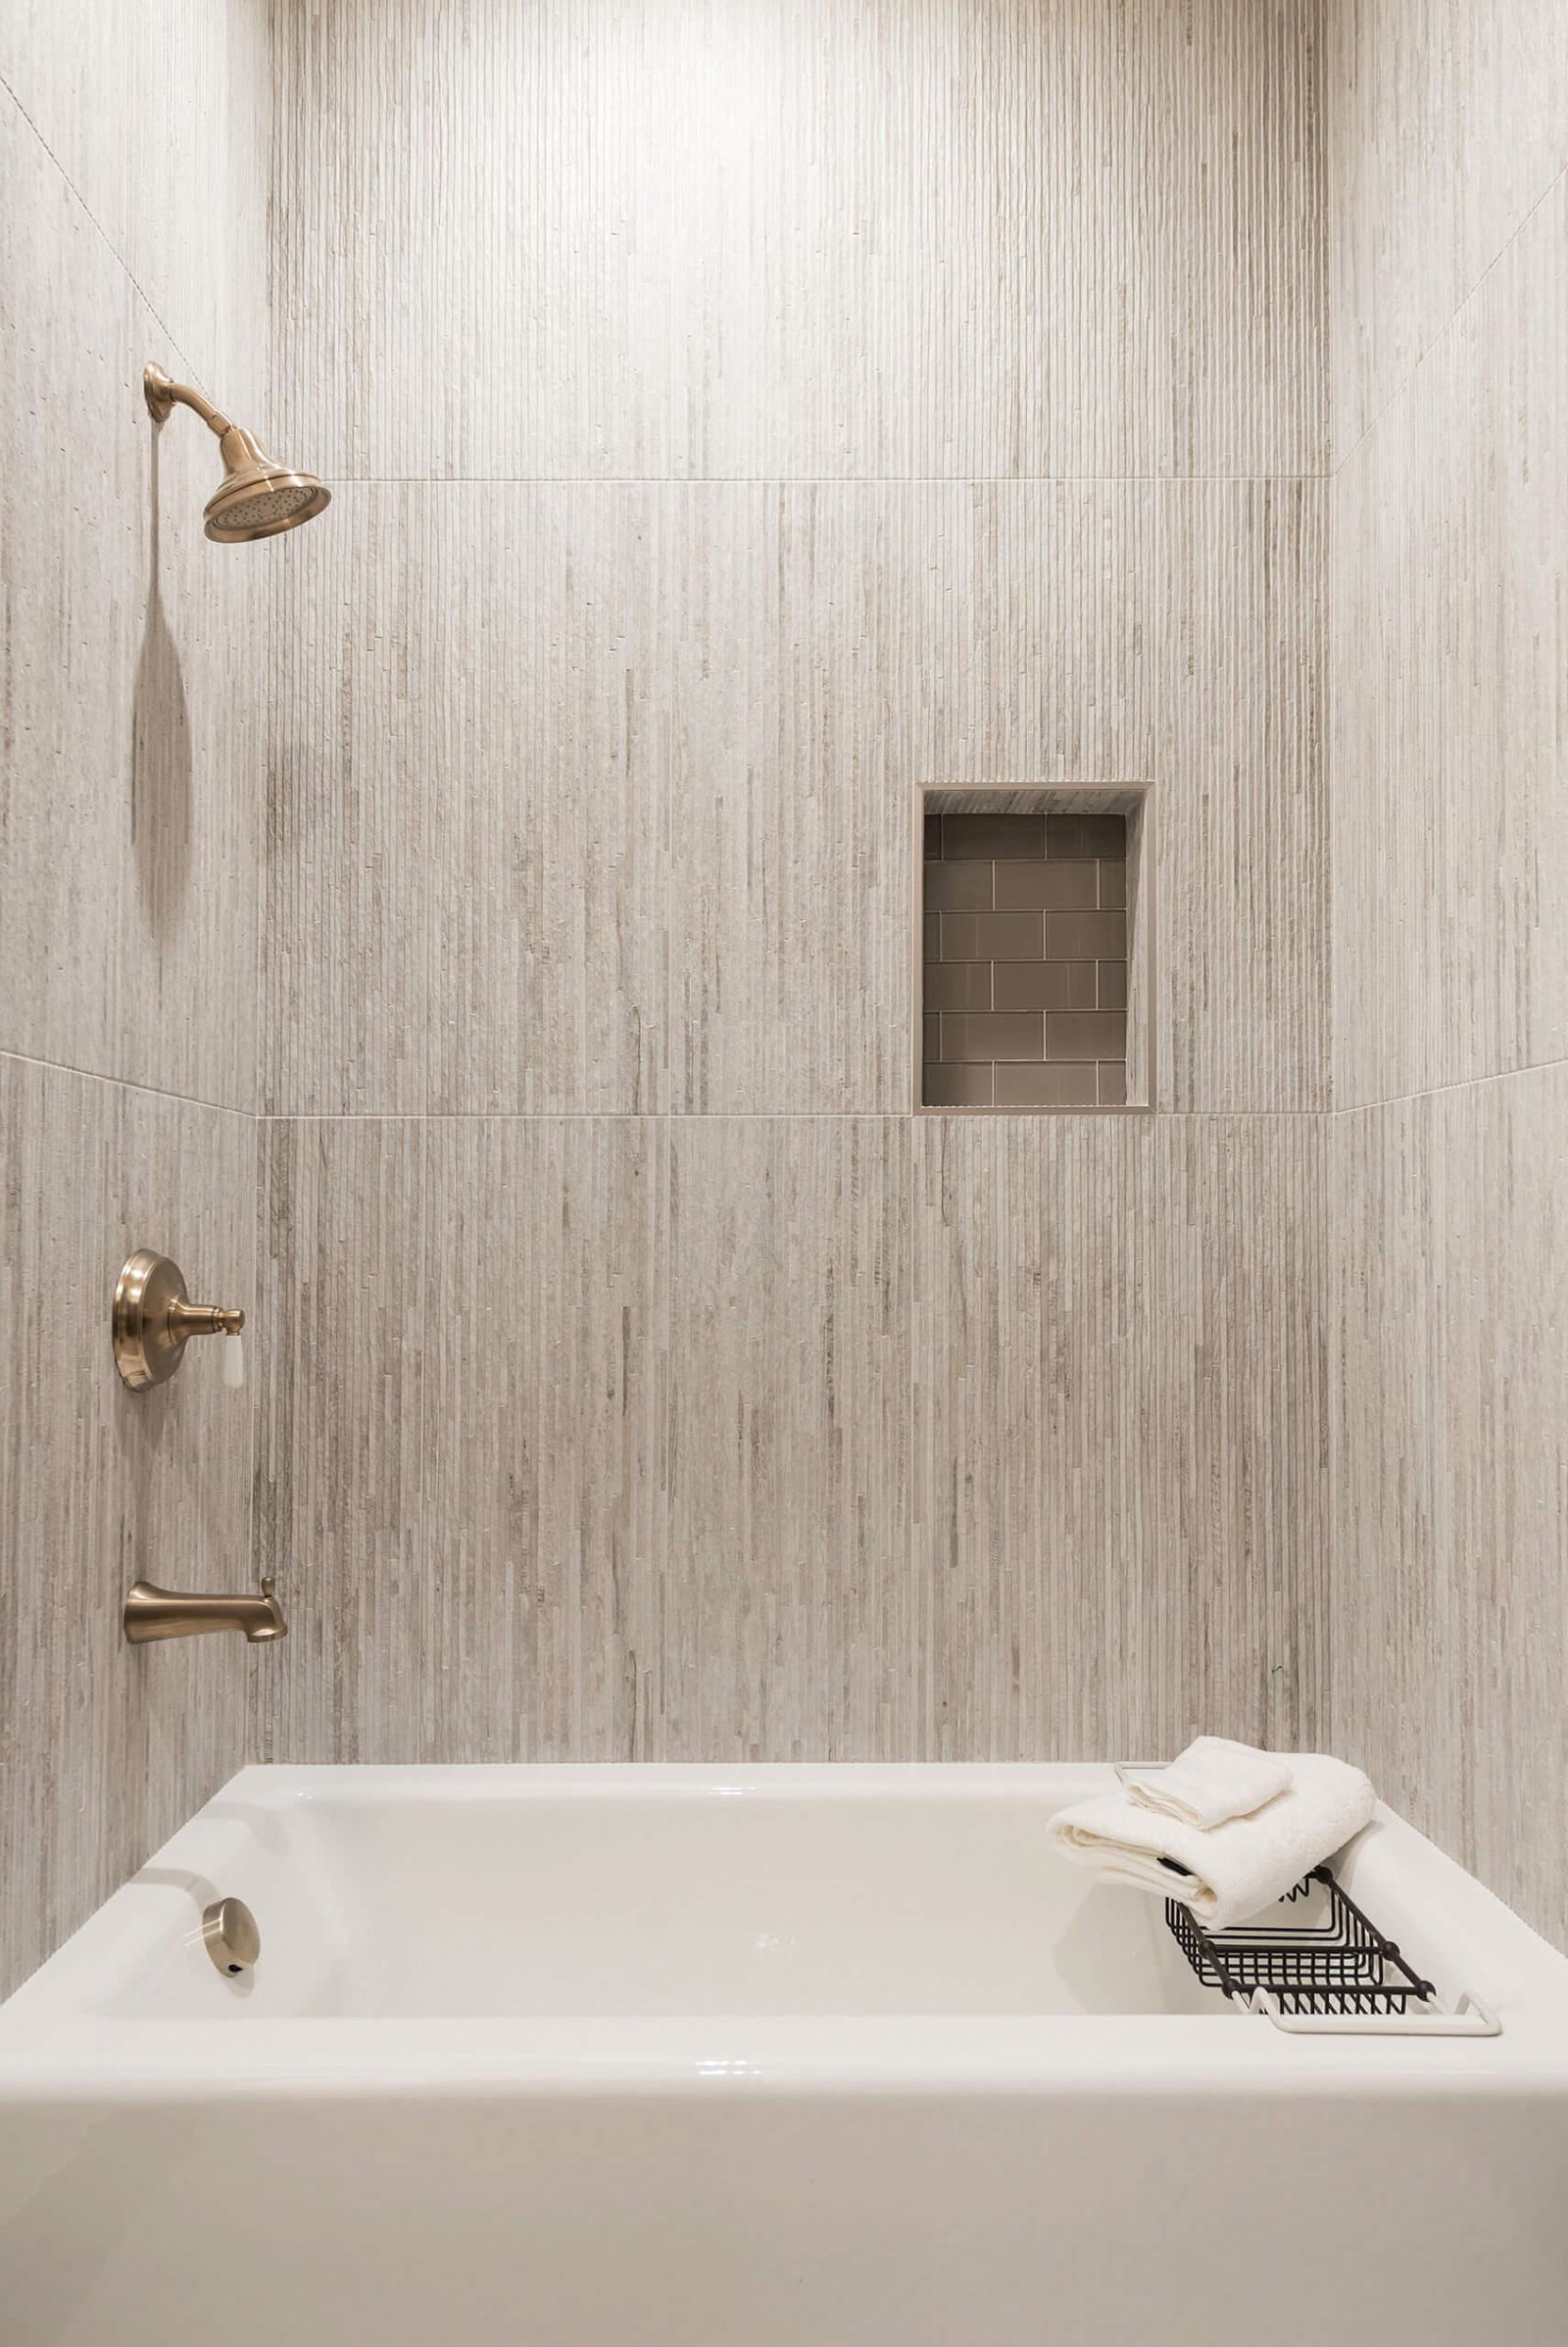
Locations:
(1243, 896)
(1451, 1472)
(1447, 124)
(105, 1749)
(534, 1630)
(1241, 1419)
(465, 894)
(1451, 719)
(1036, 1531)
(1121, 1396)
(129, 779)
(794, 240)
(788, 1612)
(344, 1324)
(159, 118)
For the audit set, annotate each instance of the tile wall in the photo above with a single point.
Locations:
(1448, 753)
(832, 402)
(133, 190)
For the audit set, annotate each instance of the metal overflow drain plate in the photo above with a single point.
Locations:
(231, 1937)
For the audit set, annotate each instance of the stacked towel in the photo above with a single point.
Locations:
(1228, 1872)
(1212, 1781)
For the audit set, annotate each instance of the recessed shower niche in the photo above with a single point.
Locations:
(1036, 944)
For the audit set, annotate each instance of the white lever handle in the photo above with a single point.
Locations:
(234, 1360)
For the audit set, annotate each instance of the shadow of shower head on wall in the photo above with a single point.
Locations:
(258, 498)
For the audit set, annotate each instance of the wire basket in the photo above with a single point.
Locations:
(1331, 1961)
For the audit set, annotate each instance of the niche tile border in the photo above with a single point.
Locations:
(1134, 800)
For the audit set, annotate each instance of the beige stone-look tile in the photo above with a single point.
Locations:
(1451, 724)
(1242, 829)
(1036, 1535)
(105, 1749)
(1119, 1423)
(474, 1297)
(629, 1479)
(1445, 124)
(466, 884)
(1451, 1472)
(159, 118)
(130, 761)
(793, 240)
(789, 1609)
(344, 1302)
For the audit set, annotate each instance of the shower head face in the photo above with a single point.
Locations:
(258, 498)
(257, 501)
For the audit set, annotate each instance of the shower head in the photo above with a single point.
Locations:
(258, 498)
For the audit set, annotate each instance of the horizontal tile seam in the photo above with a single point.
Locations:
(812, 480)
(719, 1116)
(187, 366)
(1443, 332)
(96, 1075)
(1433, 1092)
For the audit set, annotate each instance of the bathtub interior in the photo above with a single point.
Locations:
(378, 1899)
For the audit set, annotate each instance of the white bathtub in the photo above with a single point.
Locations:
(751, 2057)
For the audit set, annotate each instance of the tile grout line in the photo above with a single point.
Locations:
(187, 365)
(1433, 1091)
(816, 480)
(1450, 322)
(93, 1075)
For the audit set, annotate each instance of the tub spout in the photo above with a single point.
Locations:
(153, 1613)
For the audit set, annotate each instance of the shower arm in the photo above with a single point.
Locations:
(237, 445)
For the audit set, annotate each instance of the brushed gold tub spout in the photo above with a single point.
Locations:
(153, 1613)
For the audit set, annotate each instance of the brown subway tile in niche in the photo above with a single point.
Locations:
(958, 888)
(1048, 1086)
(1058, 886)
(1025, 945)
(993, 936)
(1086, 1034)
(1041, 985)
(957, 1087)
(994, 1035)
(993, 836)
(966, 986)
(1085, 936)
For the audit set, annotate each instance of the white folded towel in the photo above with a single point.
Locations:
(1211, 1781)
(1232, 1871)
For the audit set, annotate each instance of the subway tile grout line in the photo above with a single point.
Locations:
(94, 1075)
(187, 365)
(1450, 322)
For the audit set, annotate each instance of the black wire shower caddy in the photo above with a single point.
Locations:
(1338, 1963)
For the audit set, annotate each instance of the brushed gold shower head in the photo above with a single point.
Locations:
(258, 498)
